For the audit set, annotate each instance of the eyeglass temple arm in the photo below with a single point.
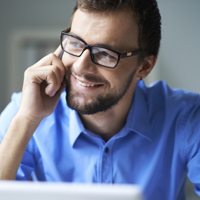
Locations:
(130, 53)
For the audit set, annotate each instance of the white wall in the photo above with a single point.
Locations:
(27, 15)
(179, 60)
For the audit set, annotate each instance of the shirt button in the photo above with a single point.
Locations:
(106, 150)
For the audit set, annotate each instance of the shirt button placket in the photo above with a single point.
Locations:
(106, 166)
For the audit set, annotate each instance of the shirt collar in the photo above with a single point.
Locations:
(138, 120)
(76, 126)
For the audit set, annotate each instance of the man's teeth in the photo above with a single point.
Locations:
(85, 84)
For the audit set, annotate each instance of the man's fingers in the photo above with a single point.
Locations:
(47, 60)
(58, 52)
(50, 69)
(50, 58)
(52, 75)
(57, 62)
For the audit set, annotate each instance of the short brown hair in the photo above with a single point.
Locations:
(147, 16)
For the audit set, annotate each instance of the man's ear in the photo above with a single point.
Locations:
(146, 66)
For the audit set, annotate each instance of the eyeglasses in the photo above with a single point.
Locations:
(100, 54)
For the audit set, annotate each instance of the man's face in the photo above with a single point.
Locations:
(92, 88)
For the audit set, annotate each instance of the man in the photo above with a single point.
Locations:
(85, 115)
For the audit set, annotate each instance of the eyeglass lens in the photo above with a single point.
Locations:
(99, 55)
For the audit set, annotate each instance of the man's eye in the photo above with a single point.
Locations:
(105, 56)
(75, 44)
(104, 53)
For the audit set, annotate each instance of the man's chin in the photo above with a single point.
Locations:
(99, 104)
(83, 109)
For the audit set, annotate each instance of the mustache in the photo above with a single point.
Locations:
(88, 77)
(93, 78)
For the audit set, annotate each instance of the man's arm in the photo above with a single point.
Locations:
(14, 144)
(43, 83)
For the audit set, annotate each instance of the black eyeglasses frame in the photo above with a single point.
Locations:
(87, 46)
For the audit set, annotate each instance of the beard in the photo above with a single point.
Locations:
(99, 103)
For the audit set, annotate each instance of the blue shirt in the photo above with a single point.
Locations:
(157, 148)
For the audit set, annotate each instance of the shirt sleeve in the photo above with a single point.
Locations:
(26, 168)
(191, 138)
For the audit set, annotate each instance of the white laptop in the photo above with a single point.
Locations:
(15, 190)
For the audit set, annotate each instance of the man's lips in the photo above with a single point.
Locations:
(85, 83)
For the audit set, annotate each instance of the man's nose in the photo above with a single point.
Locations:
(84, 62)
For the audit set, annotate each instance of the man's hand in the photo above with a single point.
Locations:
(43, 83)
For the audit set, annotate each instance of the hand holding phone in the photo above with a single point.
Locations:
(43, 83)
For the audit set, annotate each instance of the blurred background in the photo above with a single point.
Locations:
(31, 29)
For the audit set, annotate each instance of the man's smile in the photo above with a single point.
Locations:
(85, 83)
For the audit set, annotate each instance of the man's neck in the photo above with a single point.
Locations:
(108, 123)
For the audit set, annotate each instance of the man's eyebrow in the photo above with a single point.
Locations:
(98, 44)
(103, 45)
(106, 46)
(78, 37)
